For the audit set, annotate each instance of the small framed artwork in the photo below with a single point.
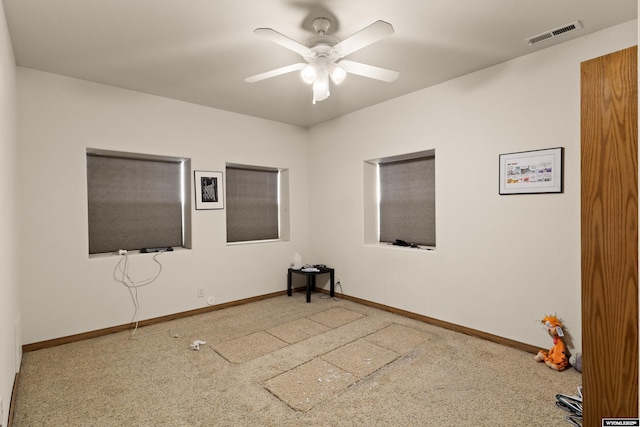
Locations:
(209, 190)
(532, 172)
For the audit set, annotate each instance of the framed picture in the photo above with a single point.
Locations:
(531, 172)
(209, 190)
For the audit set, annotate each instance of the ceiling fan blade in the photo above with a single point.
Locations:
(369, 71)
(276, 72)
(371, 34)
(282, 40)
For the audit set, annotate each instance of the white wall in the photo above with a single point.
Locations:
(9, 294)
(64, 292)
(502, 262)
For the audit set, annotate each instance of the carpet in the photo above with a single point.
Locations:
(283, 362)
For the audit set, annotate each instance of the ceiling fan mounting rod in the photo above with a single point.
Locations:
(321, 25)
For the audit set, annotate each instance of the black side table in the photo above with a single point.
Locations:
(311, 280)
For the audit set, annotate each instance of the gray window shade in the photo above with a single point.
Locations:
(407, 201)
(252, 204)
(133, 203)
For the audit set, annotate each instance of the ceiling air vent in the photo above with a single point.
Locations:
(553, 33)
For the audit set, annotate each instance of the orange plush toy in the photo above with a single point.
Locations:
(558, 357)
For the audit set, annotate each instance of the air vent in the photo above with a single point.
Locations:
(553, 33)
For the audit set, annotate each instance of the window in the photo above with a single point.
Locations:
(257, 203)
(404, 203)
(135, 201)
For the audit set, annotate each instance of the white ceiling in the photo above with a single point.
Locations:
(200, 51)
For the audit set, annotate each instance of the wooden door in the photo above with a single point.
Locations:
(609, 231)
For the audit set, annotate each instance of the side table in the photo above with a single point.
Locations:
(311, 280)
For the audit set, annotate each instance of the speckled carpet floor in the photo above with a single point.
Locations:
(283, 362)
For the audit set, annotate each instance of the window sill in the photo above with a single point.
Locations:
(385, 245)
(133, 252)
(253, 242)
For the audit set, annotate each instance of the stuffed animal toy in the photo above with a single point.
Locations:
(558, 356)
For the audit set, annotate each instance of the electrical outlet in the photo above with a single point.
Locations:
(211, 300)
(122, 252)
(339, 280)
(200, 292)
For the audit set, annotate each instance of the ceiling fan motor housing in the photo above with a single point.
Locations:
(324, 51)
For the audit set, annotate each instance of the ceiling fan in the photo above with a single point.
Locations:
(324, 55)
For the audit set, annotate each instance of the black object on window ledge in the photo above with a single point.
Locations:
(399, 242)
(151, 250)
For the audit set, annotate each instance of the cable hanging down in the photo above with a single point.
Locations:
(121, 275)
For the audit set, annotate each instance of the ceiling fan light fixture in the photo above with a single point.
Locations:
(337, 73)
(308, 74)
(321, 87)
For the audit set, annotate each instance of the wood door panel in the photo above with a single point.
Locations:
(609, 232)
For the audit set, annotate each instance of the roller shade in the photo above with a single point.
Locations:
(407, 201)
(252, 204)
(133, 203)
